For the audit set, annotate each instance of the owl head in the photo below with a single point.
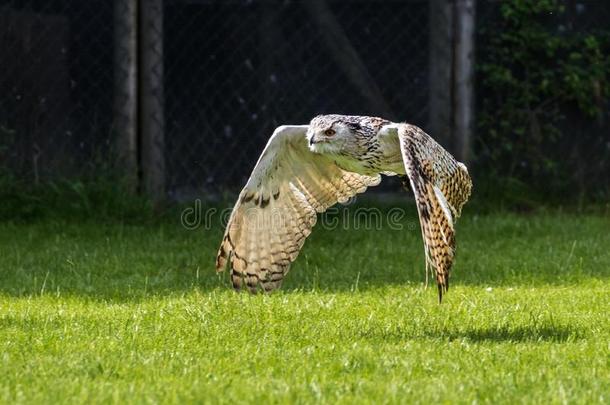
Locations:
(332, 134)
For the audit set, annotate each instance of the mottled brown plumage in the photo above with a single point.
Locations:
(305, 169)
(441, 186)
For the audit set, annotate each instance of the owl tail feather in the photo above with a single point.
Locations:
(442, 281)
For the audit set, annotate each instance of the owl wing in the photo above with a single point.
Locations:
(277, 208)
(441, 186)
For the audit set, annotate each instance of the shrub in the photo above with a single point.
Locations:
(543, 94)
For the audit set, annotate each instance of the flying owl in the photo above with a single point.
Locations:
(305, 169)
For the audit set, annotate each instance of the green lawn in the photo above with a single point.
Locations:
(135, 313)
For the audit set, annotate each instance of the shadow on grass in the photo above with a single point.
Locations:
(491, 334)
(517, 334)
(114, 263)
(138, 286)
(132, 263)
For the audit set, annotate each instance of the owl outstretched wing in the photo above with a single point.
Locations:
(277, 208)
(441, 186)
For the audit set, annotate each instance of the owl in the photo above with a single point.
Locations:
(305, 169)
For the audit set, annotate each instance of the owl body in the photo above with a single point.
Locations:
(305, 169)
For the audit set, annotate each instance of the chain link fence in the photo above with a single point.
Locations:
(232, 71)
(237, 69)
(543, 98)
(56, 87)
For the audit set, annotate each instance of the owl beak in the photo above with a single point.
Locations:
(312, 140)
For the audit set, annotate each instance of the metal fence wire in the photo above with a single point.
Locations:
(55, 85)
(232, 71)
(236, 70)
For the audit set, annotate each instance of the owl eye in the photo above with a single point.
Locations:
(329, 132)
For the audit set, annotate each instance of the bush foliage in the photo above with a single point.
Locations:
(543, 97)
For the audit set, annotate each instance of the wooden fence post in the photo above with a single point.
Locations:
(152, 141)
(463, 109)
(441, 70)
(125, 89)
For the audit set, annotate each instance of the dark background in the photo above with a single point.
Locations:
(233, 70)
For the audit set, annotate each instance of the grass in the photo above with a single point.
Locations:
(107, 312)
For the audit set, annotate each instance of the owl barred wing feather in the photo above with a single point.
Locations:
(306, 169)
(277, 208)
(441, 186)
